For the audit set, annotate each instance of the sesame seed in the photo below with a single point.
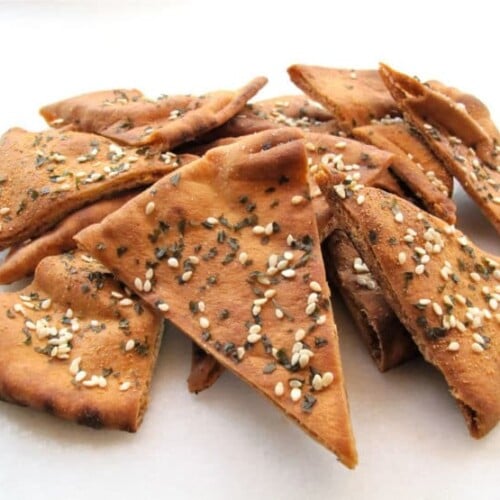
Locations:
(300, 334)
(478, 338)
(475, 277)
(240, 351)
(493, 303)
(80, 375)
(255, 329)
(186, 276)
(327, 379)
(150, 207)
(125, 302)
(253, 337)
(45, 304)
(19, 309)
(147, 286)
(260, 302)
(315, 286)
(279, 313)
(425, 259)
(460, 298)
(150, 273)
(445, 273)
(204, 322)
(243, 258)
(163, 306)
(288, 255)
(288, 273)
(453, 346)
(340, 190)
(402, 258)
(477, 348)
(321, 320)
(129, 345)
(360, 199)
(312, 297)
(437, 308)
(282, 265)
(420, 269)
(125, 386)
(297, 199)
(295, 394)
(30, 325)
(399, 217)
(310, 309)
(201, 306)
(138, 284)
(268, 294)
(258, 229)
(463, 240)
(212, 221)
(279, 389)
(269, 229)
(290, 240)
(317, 382)
(74, 367)
(193, 259)
(4, 210)
(173, 262)
(102, 382)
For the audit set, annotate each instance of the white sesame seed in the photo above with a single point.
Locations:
(255, 329)
(258, 230)
(150, 273)
(290, 240)
(288, 255)
(420, 269)
(19, 309)
(80, 375)
(295, 394)
(312, 297)
(311, 308)
(315, 286)
(321, 320)
(260, 302)
(186, 275)
(253, 337)
(201, 306)
(399, 217)
(125, 302)
(445, 273)
(243, 258)
(204, 322)
(279, 389)
(288, 273)
(477, 348)
(279, 313)
(102, 382)
(116, 295)
(45, 304)
(340, 190)
(453, 346)
(297, 199)
(437, 308)
(172, 262)
(300, 334)
(74, 367)
(4, 210)
(30, 325)
(493, 303)
(475, 277)
(147, 286)
(129, 345)
(138, 284)
(303, 360)
(295, 358)
(360, 199)
(150, 208)
(425, 259)
(163, 306)
(212, 221)
(402, 257)
(240, 351)
(268, 294)
(327, 379)
(282, 264)
(269, 229)
(463, 240)
(271, 271)
(478, 338)
(125, 386)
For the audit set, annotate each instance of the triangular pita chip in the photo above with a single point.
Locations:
(21, 260)
(387, 340)
(444, 289)
(238, 265)
(74, 344)
(464, 146)
(45, 176)
(127, 116)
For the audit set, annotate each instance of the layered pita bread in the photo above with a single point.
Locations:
(238, 266)
(45, 176)
(443, 288)
(128, 117)
(22, 260)
(467, 149)
(386, 339)
(74, 344)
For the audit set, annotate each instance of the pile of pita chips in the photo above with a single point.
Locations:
(238, 268)
(443, 289)
(84, 351)
(48, 175)
(467, 143)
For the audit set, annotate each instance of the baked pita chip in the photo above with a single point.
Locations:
(386, 338)
(74, 344)
(128, 117)
(45, 176)
(414, 165)
(21, 260)
(238, 266)
(354, 97)
(443, 288)
(205, 370)
(465, 147)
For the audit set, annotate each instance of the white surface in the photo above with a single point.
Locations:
(229, 442)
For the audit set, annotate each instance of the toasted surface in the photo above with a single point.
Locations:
(442, 287)
(218, 245)
(467, 149)
(47, 175)
(205, 370)
(21, 261)
(354, 97)
(386, 338)
(69, 313)
(129, 117)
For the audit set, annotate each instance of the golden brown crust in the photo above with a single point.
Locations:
(386, 338)
(443, 288)
(71, 294)
(464, 146)
(205, 370)
(21, 261)
(45, 176)
(354, 97)
(247, 188)
(130, 118)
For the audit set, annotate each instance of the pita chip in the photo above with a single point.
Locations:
(237, 266)
(443, 289)
(205, 370)
(467, 150)
(47, 175)
(22, 260)
(74, 344)
(128, 117)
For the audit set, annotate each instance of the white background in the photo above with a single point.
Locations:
(229, 442)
